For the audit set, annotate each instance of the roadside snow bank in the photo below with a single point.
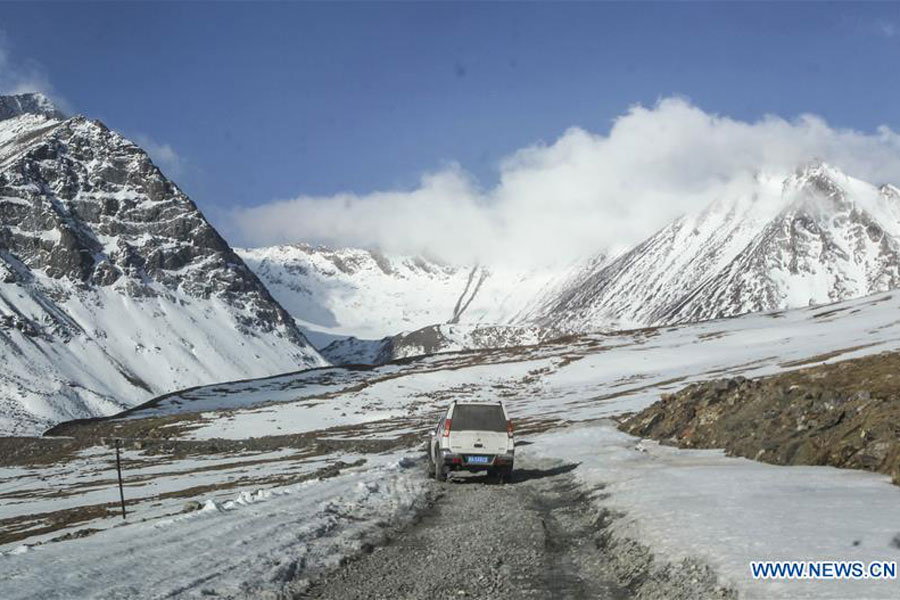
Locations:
(261, 542)
(730, 511)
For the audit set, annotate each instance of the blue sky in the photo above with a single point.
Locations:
(256, 102)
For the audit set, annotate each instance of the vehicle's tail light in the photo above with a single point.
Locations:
(447, 424)
(509, 428)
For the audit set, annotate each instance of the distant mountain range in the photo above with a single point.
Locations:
(335, 293)
(815, 237)
(113, 286)
(812, 237)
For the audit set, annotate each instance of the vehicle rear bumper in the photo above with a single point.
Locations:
(458, 462)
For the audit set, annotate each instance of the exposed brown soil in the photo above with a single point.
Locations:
(631, 390)
(15, 451)
(823, 357)
(159, 436)
(26, 526)
(845, 414)
(532, 426)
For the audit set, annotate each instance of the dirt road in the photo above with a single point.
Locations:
(539, 536)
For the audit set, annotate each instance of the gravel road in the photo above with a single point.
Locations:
(539, 536)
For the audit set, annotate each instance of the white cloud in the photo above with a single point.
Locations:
(583, 193)
(164, 155)
(26, 76)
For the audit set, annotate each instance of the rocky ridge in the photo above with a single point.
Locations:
(434, 339)
(845, 414)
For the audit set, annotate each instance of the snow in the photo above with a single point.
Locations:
(260, 531)
(128, 350)
(252, 544)
(92, 340)
(731, 511)
(596, 376)
(291, 387)
(16, 131)
(354, 292)
(681, 503)
(814, 237)
(771, 241)
(313, 417)
(90, 479)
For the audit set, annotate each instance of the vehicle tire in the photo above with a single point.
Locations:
(429, 467)
(440, 471)
(505, 474)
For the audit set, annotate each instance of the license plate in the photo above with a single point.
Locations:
(478, 459)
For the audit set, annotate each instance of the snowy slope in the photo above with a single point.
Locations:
(254, 543)
(579, 378)
(682, 503)
(113, 287)
(268, 535)
(727, 512)
(814, 237)
(369, 295)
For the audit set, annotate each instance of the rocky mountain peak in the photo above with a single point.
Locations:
(890, 191)
(113, 285)
(825, 237)
(88, 205)
(33, 103)
(817, 191)
(816, 177)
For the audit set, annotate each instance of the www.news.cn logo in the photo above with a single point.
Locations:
(823, 569)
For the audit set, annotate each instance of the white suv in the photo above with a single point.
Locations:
(472, 437)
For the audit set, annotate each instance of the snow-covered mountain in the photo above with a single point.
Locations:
(814, 237)
(113, 286)
(771, 241)
(371, 296)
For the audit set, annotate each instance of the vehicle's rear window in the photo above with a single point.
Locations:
(478, 418)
